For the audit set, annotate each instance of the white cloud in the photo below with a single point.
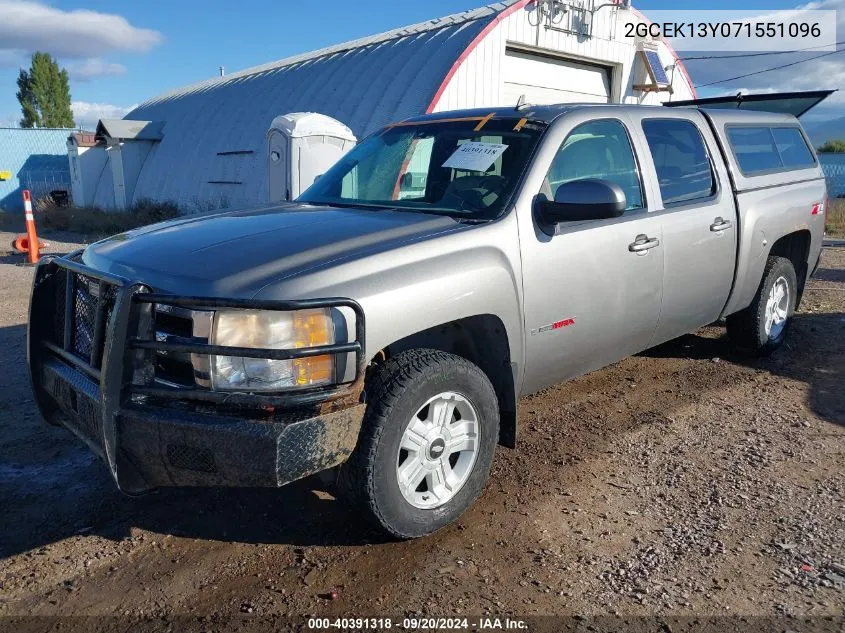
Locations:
(823, 73)
(29, 26)
(822, 4)
(93, 68)
(87, 114)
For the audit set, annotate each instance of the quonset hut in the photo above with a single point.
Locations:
(210, 149)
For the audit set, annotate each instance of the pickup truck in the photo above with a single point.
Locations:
(382, 326)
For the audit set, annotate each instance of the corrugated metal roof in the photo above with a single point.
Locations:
(37, 159)
(364, 84)
(449, 21)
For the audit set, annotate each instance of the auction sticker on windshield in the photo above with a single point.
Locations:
(475, 156)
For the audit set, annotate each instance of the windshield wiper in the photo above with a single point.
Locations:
(457, 214)
(350, 205)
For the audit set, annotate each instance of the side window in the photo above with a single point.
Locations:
(598, 149)
(760, 149)
(792, 147)
(754, 148)
(684, 172)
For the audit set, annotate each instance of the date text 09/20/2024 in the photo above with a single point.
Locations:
(415, 624)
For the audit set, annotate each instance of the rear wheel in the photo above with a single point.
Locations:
(761, 328)
(426, 444)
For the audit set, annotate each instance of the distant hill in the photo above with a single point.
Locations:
(826, 131)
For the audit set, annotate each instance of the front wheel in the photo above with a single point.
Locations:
(426, 444)
(761, 328)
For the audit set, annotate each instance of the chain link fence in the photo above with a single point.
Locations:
(44, 183)
(835, 174)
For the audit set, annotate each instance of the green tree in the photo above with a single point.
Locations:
(44, 94)
(835, 146)
(31, 118)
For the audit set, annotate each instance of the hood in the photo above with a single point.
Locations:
(237, 253)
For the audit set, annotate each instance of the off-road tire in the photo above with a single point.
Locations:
(747, 328)
(395, 393)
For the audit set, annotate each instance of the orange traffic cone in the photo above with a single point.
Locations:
(28, 243)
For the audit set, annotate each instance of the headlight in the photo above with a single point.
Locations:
(271, 330)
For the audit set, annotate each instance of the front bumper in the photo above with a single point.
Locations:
(151, 435)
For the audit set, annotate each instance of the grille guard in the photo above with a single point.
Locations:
(124, 345)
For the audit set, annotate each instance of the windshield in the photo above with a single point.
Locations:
(466, 168)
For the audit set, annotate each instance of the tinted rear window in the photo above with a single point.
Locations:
(761, 149)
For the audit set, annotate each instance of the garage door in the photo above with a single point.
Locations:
(545, 80)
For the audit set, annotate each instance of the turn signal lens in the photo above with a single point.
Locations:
(313, 328)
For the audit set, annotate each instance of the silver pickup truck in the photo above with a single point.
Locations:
(387, 321)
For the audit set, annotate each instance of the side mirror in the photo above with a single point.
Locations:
(588, 199)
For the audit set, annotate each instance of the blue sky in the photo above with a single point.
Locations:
(121, 53)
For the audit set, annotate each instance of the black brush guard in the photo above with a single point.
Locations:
(91, 351)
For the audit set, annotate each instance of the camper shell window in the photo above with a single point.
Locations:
(763, 149)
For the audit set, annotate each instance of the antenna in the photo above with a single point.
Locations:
(522, 103)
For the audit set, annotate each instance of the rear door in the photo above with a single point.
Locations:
(698, 219)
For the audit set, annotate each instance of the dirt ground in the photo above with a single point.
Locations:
(685, 481)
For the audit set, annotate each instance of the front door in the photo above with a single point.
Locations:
(592, 290)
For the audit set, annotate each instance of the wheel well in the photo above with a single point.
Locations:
(796, 248)
(482, 340)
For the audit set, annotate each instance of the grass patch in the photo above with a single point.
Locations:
(90, 222)
(835, 218)
(96, 223)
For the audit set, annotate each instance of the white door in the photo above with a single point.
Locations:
(545, 80)
(278, 173)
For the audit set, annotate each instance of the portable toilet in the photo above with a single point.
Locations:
(301, 147)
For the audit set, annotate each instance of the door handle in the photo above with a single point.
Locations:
(720, 225)
(643, 243)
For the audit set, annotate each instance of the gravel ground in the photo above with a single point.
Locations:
(686, 481)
